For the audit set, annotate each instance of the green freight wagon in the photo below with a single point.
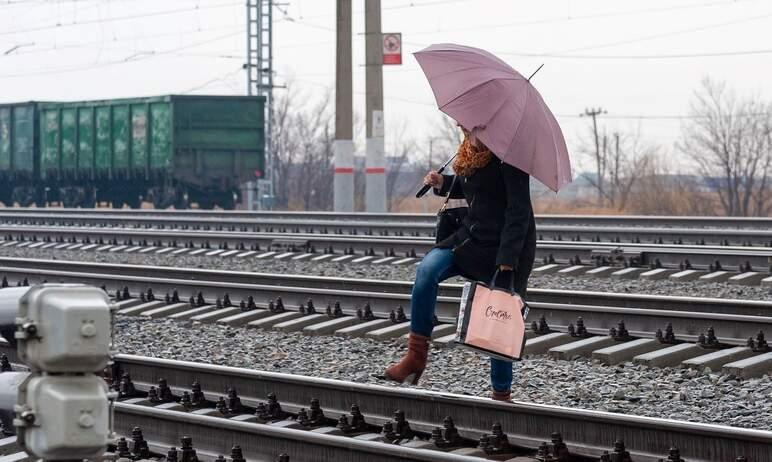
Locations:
(18, 147)
(169, 150)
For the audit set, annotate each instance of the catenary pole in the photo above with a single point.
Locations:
(375, 162)
(343, 146)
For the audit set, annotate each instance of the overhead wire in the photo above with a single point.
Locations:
(119, 18)
(143, 57)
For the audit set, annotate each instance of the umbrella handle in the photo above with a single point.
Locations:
(421, 192)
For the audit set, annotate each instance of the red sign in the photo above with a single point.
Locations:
(392, 48)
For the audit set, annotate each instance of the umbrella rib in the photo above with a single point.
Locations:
(474, 87)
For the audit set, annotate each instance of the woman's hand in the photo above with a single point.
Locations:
(434, 179)
(505, 268)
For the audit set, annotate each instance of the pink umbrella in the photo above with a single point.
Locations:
(500, 107)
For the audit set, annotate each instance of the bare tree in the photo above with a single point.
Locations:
(619, 161)
(303, 156)
(399, 160)
(730, 141)
(284, 145)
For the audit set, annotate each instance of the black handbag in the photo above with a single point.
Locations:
(449, 219)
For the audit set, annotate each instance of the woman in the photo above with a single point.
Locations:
(498, 232)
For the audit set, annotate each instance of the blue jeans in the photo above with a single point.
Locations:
(435, 267)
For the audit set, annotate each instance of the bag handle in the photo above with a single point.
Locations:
(511, 280)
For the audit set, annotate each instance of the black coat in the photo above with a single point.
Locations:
(499, 228)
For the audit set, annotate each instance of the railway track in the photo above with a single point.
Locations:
(724, 335)
(555, 219)
(268, 413)
(656, 230)
(379, 249)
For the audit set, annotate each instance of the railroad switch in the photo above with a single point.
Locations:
(708, 340)
(619, 333)
(759, 344)
(397, 316)
(580, 331)
(541, 327)
(668, 337)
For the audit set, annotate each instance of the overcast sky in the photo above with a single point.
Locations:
(640, 60)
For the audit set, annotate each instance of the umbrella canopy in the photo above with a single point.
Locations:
(500, 107)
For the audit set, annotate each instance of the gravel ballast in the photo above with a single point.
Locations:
(395, 272)
(683, 394)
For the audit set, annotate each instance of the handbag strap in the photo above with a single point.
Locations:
(511, 280)
(450, 191)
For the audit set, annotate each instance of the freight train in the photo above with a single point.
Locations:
(168, 150)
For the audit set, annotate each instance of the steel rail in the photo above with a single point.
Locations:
(214, 436)
(566, 231)
(667, 255)
(585, 432)
(734, 320)
(556, 219)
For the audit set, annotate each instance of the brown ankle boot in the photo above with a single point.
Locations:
(412, 365)
(501, 396)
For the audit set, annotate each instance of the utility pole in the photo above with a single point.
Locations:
(343, 146)
(375, 162)
(600, 168)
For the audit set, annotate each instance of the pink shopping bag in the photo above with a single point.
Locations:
(492, 321)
